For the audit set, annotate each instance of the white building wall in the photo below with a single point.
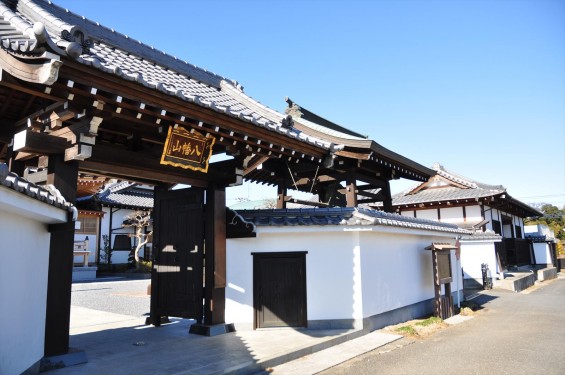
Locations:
(91, 247)
(542, 252)
(332, 273)
(118, 256)
(397, 271)
(451, 214)
(351, 273)
(473, 254)
(489, 217)
(427, 214)
(473, 213)
(24, 254)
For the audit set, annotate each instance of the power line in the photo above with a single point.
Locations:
(543, 196)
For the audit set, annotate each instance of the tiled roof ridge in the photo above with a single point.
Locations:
(298, 112)
(48, 194)
(59, 19)
(481, 236)
(349, 216)
(397, 217)
(10, 39)
(114, 187)
(236, 92)
(443, 172)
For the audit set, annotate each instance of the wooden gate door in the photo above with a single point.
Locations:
(279, 289)
(178, 241)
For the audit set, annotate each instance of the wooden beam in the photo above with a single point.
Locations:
(78, 73)
(118, 162)
(255, 164)
(23, 87)
(39, 143)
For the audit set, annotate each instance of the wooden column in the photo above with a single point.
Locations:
(387, 198)
(437, 285)
(15, 166)
(281, 195)
(215, 257)
(351, 193)
(63, 175)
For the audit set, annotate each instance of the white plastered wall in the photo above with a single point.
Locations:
(351, 273)
(332, 276)
(91, 247)
(474, 254)
(473, 214)
(542, 252)
(451, 214)
(24, 254)
(118, 216)
(427, 214)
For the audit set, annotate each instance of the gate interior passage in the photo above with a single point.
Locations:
(177, 275)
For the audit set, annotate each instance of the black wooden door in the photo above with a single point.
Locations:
(177, 276)
(279, 289)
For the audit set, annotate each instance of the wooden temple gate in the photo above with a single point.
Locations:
(79, 99)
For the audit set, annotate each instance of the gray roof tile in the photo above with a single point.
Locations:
(123, 194)
(443, 194)
(47, 194)
(117, 54)
(346, 216)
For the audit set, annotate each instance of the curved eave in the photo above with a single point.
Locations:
(445, 202)
(519, 208)
(404, 162)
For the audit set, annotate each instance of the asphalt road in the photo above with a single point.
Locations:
(514, 333)
(127, 297)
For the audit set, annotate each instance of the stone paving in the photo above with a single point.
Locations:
(118, 343)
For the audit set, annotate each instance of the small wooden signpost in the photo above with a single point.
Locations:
(441, 258)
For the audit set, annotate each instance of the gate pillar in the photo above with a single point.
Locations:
(63, 175)
(215, 266)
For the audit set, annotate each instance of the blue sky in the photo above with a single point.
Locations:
(478, 86)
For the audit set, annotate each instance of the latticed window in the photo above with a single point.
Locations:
(88, 225)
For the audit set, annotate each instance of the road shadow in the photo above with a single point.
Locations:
(479, 300)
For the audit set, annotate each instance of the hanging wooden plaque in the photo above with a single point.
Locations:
(187, 150)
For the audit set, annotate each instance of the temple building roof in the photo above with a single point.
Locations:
(448, 188)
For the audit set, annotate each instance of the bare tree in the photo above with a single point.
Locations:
(139, 220)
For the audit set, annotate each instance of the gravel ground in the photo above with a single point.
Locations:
(127, 297)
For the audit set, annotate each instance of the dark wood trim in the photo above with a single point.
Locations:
(42, 143)
(281, 254)
(351, 193)
(281, 195)
(78, 73)
(215, 257)
(155, 316)
(64, 176)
